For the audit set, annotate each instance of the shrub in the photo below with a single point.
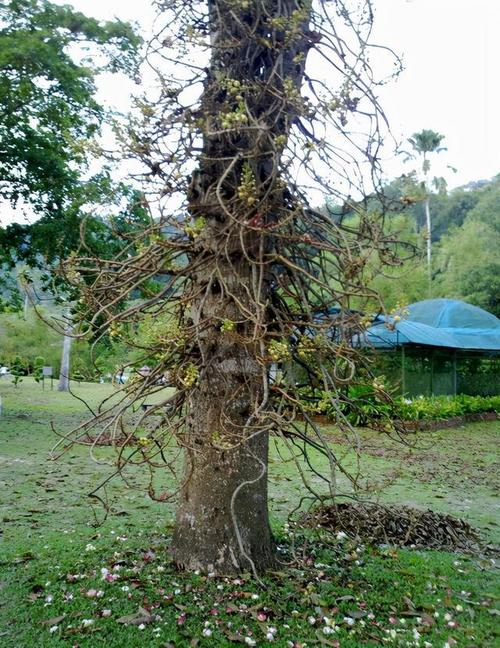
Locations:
(368, 404)
(443, 407)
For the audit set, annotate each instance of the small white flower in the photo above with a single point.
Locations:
(53, 629)
(106, 613)
(459, 608)
(89, 547)
(311, 620)
(447, 617)
(87, 622)
(341, 535)
(255, 597)
(349, 620)
(206, 632)
(270, 636)
(125, 588)
(249, 641)
(141, 626)
(327, 630)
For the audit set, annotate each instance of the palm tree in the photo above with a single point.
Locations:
(424, 143)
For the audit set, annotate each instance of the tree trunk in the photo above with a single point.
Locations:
(63, 384)
(222, 519)
(429, 235)
(222, 522)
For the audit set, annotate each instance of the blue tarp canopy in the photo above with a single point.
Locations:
(448, 323)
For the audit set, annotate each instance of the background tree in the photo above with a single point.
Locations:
(467, 265)
(424, 143)
(48, 110)
(50, 121)
(244, 260)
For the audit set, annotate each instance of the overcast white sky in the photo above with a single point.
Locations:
(451, 53)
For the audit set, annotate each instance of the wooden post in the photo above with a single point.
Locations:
(432, 374)
(403, 376)
(455, 373)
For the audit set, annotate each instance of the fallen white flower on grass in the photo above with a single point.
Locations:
(53, 629)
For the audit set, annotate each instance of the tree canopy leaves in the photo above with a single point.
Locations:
(48, 109)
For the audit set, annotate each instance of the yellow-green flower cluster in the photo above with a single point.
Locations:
(235, 118)
(248, 187)
(190, 375)
(278, 351)
(115, 329)
(227, 325)
(194, 229)
(306, 348)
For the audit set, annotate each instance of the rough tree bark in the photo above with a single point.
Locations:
(222, 519)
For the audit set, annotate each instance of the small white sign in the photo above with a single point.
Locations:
(47, 371)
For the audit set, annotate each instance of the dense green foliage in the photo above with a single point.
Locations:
(468, 263)
(368, 404)
(466, 237)
(48, 112)
(443, 407)
(50, 122)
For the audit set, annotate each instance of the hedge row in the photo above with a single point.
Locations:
(365, 404)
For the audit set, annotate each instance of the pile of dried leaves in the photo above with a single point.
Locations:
(402, 526)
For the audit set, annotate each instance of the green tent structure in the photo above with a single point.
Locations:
(440, 346)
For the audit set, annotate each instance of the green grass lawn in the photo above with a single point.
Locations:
(52, 590)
